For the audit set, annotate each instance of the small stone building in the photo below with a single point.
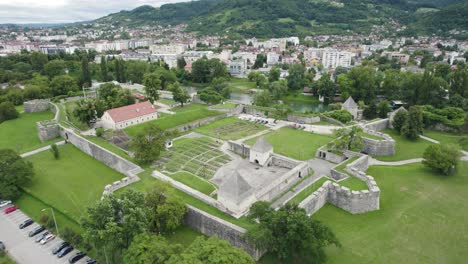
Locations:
(351, 106)
(236, 193)
(261, 152)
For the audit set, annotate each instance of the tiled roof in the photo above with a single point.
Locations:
(131, 111)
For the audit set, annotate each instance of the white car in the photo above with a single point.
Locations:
(46, 239)
(4, 203)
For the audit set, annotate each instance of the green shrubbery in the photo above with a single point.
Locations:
(341, 115)
(449, 116)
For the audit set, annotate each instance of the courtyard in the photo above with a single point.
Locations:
(231, 128)
(293, 143)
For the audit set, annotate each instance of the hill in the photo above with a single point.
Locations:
(278, 18)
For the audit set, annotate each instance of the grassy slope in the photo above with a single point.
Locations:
(210, 129)
(109, 146)
(405, 148)
(193, 181)
(448, 138)
(183, 115)
(294, 143)
(308, 191)
(21, 134)
(62, 182)
(422, 219)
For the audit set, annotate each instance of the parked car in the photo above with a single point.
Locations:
(4, 203)
(47, 238)
(91, 261)
(76, 257)
(36, 231)
(59, 247)
(64, 251)
(2, 246)
(26, 223)
(42, 236)
(11, 209)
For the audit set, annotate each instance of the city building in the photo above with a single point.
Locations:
(334, 58)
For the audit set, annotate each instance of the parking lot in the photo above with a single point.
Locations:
(22, 248)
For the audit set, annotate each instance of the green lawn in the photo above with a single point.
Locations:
(294, 143)
(5, 259)
(71, 183)
(343, 165)
(21, 134)
(109, 146)
(405, 149)
(167, 101)
(300, 98)
(422, 219)
(241, 85)
(194, 182)
(231, 128)
(449, 138)
(226, 105)
(298, 198)
(183, 115)
(353, 184)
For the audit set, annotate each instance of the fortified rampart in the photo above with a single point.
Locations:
(37, 105)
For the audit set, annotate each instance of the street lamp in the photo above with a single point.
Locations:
(53, 215)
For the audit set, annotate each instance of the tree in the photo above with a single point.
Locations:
(55, 68)
(38, 61)
(112, 96)
(85, 74)
(62, 85)
(347, 139)
(204, 70)
(442, 158)
(104, 69)
(399, 120)
(326, 88)
(296, 77)
(278, 89)
(291, 235)
(112, 223)
(210, 96)
(370, 111)
(55, 151)
(153, 249)
(413, 127)
(263, 98)
(165, 212)
(181, 63)
(87, 110)
(14, 173)
(281, 112)
(148, 143)
(7, 111)
(119, 65)
(383, 108)
(136, 70)
(211, 251)
(180, 94)
(152, 84)
(274, 74)
(259, 61)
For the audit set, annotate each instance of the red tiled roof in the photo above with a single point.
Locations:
(131, 111)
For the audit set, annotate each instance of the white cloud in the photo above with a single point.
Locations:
(61, 11)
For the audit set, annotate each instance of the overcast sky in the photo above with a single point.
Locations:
(60, 11)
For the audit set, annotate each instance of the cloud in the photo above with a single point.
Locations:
(61, 11)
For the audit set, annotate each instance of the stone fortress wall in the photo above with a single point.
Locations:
(37, 105)
(47, 130)
(355, 202)
(374, 147)
(303, 119)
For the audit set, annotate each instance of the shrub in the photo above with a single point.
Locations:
(442, 158)
(7, 111)
(100, 132)
(44, 219)
(399, 120)
(55, 151)
(341, 115)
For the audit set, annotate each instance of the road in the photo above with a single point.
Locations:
(22, 248)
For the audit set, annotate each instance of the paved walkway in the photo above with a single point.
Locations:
(373, 161)
(27, 154)
(164, 108)
(429, 139)
(320, 167)
(21, 248)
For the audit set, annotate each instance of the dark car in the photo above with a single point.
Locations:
(36, 231)
(65, 251)
(76, 257)
(91, 261)
(26, 223)
(39, 238)
(2, 246)
(59, 247)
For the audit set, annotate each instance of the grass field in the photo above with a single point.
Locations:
(226, 105)
(241, 85)
(199, 156)
(449, 138)
(194, 182)
(298, 198)
(71, 183)
(21, 134)
(183, 115)
(422, 219)
(167, 101)
(231, 128)
(294, 143)
(5, 259)
(299, 98)
(353, 184)
(405, 149)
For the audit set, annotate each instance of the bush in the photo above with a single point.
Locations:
(7, 111)
(55, 151)
(442, 158)
(71, 236)
(100, 132)
(401, 117)
(341, 115)
(44, 219)
(370, 112)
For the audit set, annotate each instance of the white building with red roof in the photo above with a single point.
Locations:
(122, 117)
